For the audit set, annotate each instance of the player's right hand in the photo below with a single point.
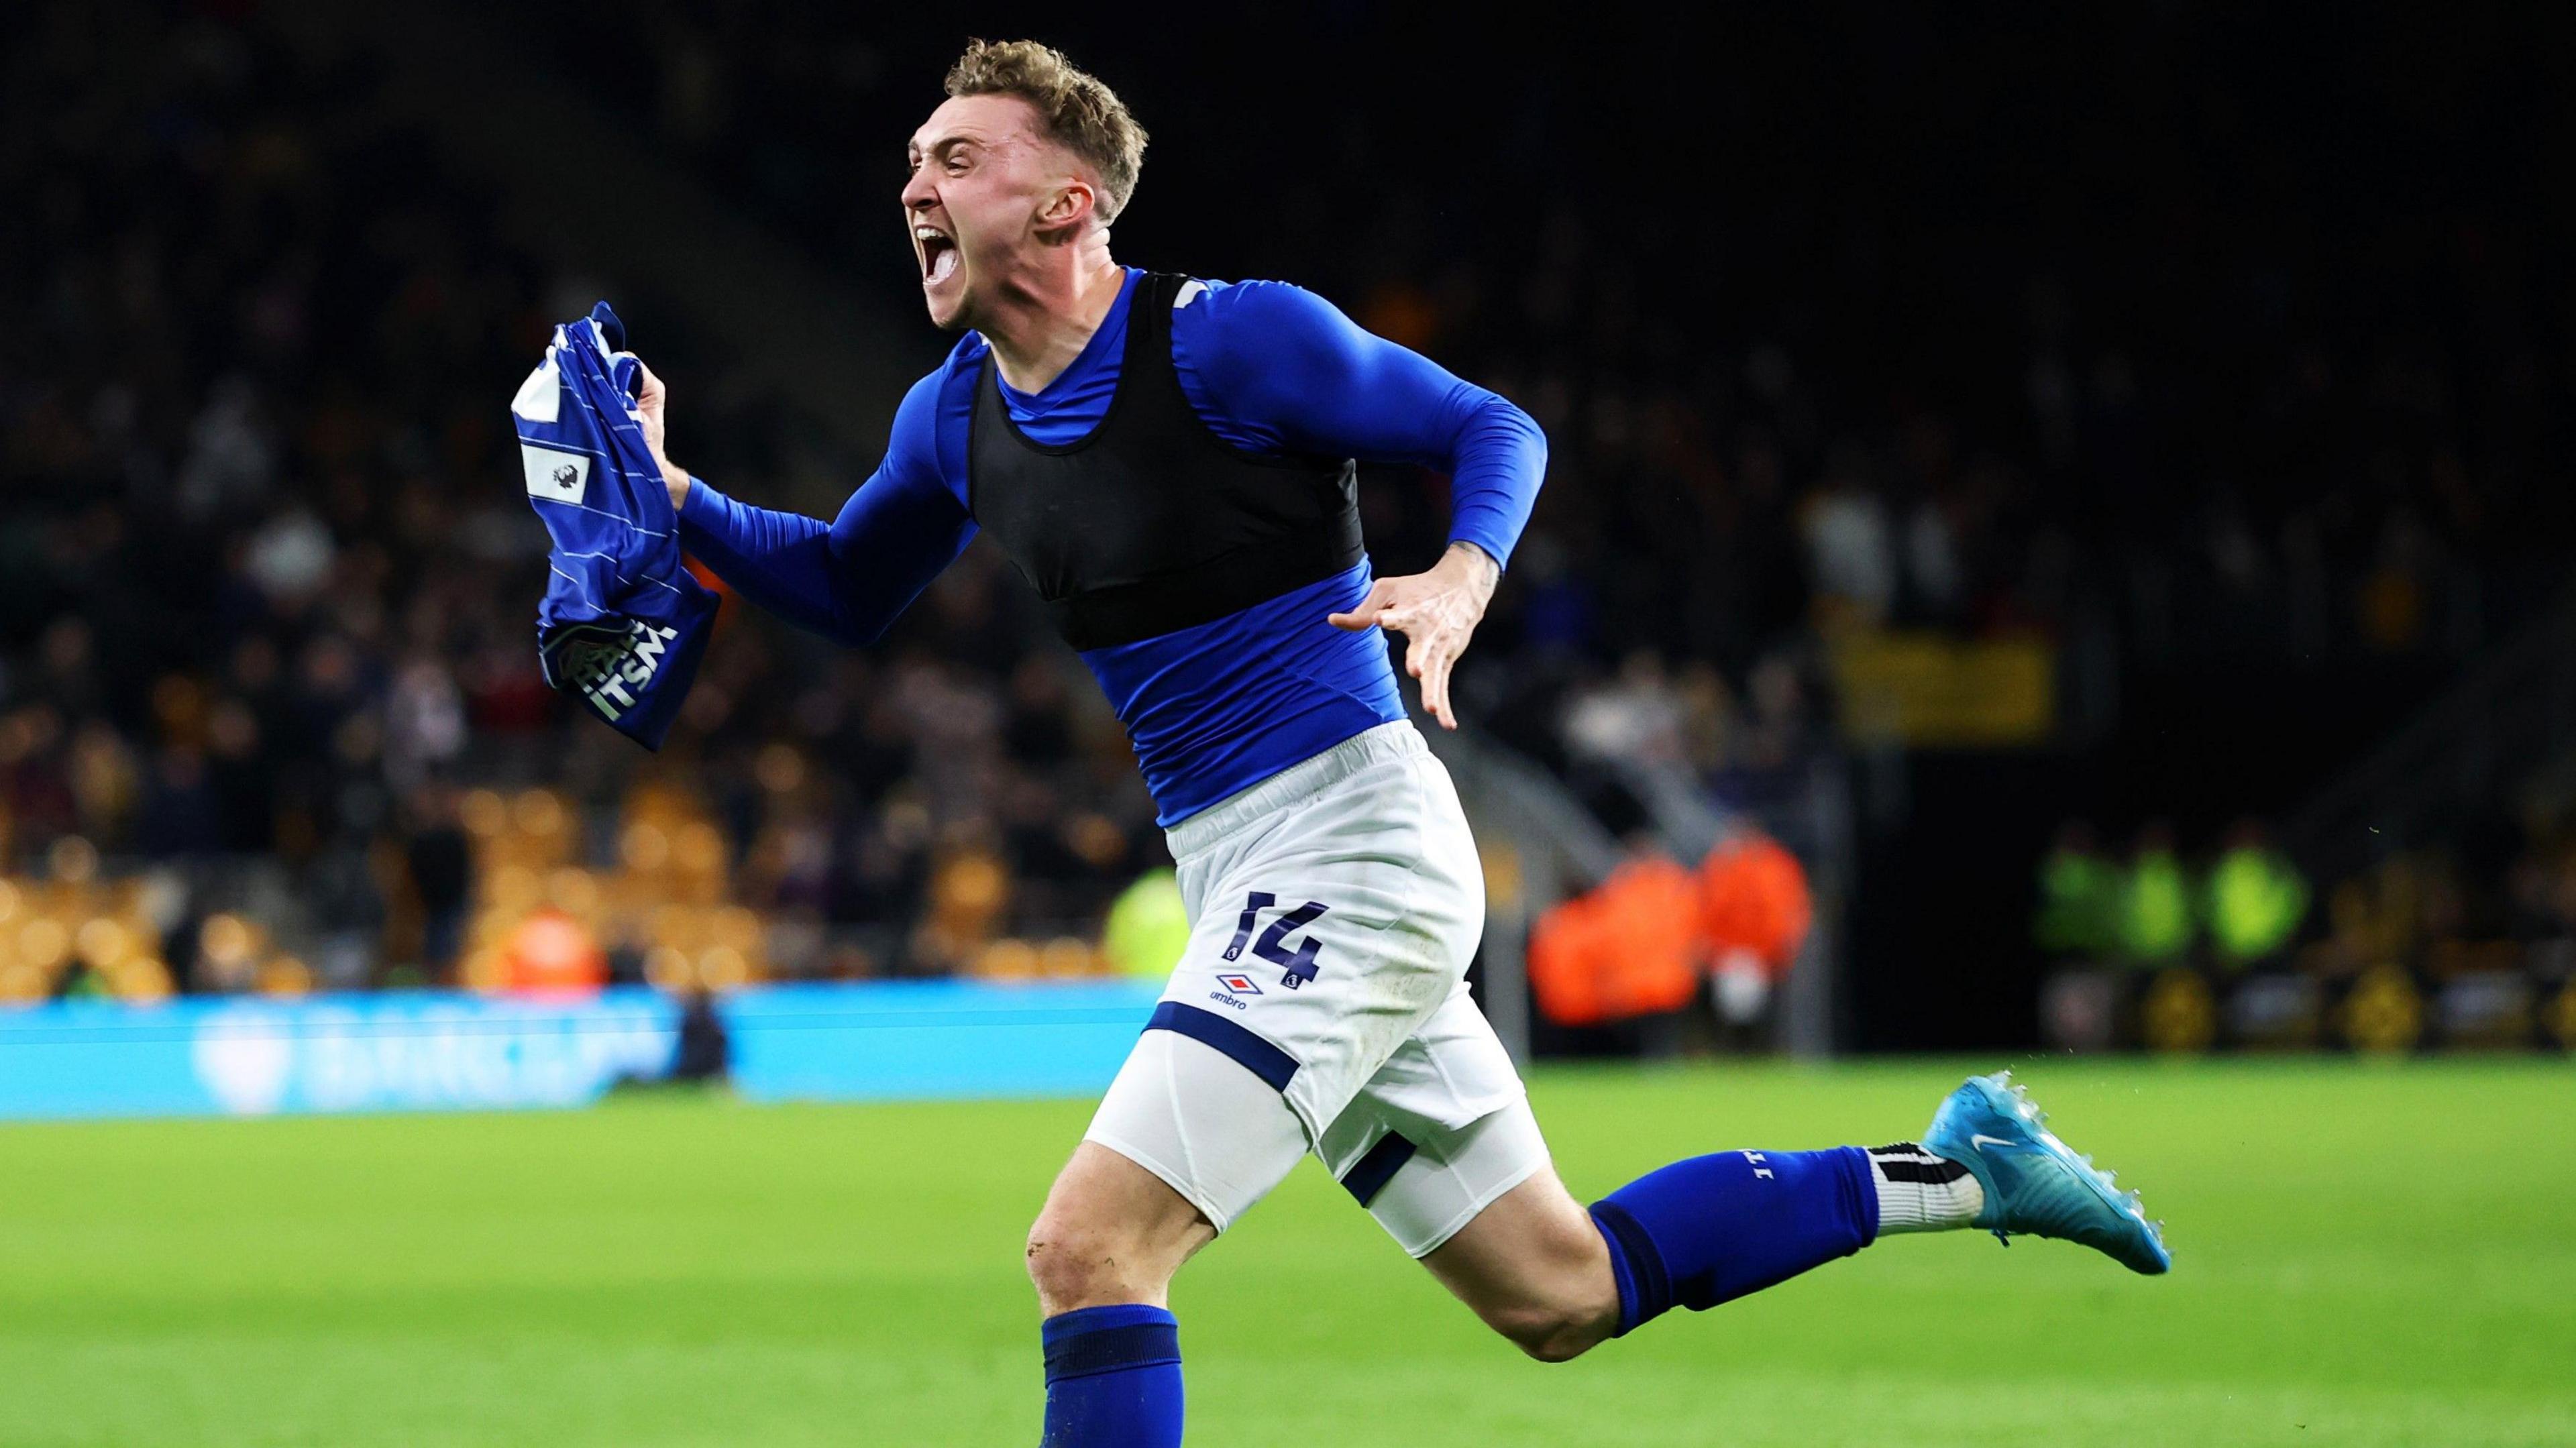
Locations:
(1437, 612)
(652, 404)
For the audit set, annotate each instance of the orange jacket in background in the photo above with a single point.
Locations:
(1631, 947)
(1753, 897)
(551, 953)
(1636, 944)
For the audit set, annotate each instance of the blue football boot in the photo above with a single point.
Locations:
(2034, 1182)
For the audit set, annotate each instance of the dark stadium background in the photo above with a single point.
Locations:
(2222, 353)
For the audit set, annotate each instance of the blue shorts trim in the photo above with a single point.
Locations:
(1247, 1050)
(1370, 1174)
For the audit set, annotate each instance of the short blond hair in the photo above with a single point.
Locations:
(1080, 114)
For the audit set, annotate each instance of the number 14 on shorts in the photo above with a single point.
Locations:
(1273, 944)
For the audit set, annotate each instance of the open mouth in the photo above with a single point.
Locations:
(938, 253)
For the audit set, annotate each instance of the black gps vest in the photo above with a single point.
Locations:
(1151, 522)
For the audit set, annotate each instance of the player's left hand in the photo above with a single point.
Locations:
(1437, 612)
(652, 408)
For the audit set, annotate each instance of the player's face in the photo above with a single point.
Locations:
(981, 174)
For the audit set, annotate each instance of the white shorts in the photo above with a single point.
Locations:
(1322, 1003)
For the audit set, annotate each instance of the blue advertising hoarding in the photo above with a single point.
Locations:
(428, 1051)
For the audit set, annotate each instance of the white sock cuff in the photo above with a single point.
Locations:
(1920, 1192)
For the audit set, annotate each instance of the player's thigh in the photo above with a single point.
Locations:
(1184, 1142)
(1533, 1264)
(1527, 1259)
(1440, 1132)
(1187, 1117)
(1443, 1150)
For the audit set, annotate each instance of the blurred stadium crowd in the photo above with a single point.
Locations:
(2472, 943)
(1931, 369)
(269, 703)
(267, 610)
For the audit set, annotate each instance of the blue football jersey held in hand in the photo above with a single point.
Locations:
(623, 622)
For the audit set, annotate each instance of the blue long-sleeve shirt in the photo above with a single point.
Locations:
(1214, 708)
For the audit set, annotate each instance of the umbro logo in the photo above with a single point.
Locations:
(1239, 984)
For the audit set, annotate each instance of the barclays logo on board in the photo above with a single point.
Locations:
(255, 1060)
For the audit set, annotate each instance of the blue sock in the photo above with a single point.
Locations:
(1713, 1228)
(1113, 1378)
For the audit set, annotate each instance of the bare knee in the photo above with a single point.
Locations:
(1073, 1264)
(1111, 1233)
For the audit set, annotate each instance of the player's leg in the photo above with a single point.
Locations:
(1184, 1142)
(1111, 1232)
(1102, 1255)
(1532, 1265)
(1481, 1206)
(1477, 1201)
(1557, 1279)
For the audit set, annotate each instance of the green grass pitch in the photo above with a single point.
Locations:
(2364, 1255)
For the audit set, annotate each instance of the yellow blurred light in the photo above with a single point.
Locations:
(644, 847)
(780, 769)
(104, 943)
(721, 968)
(2384, 1013)
(667, 967)
(1007, 960)
(9, 899)
(972, 883)
(673, 925)
(1096, 839)
(483, 970)
(700, 847)
(514, 888)
(736, 928)
(490, 925)
(141, 978)
(224, 939)
(2179, 1013)
(574, 891)
(1066, 955)
(285, 976)
(72, 860)
(537, 812)
(43, 943)
(22, 984)
(483, 812)
(145, 899)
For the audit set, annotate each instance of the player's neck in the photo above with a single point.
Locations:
(1046, 315)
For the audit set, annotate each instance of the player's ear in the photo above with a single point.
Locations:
(1069, 207)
